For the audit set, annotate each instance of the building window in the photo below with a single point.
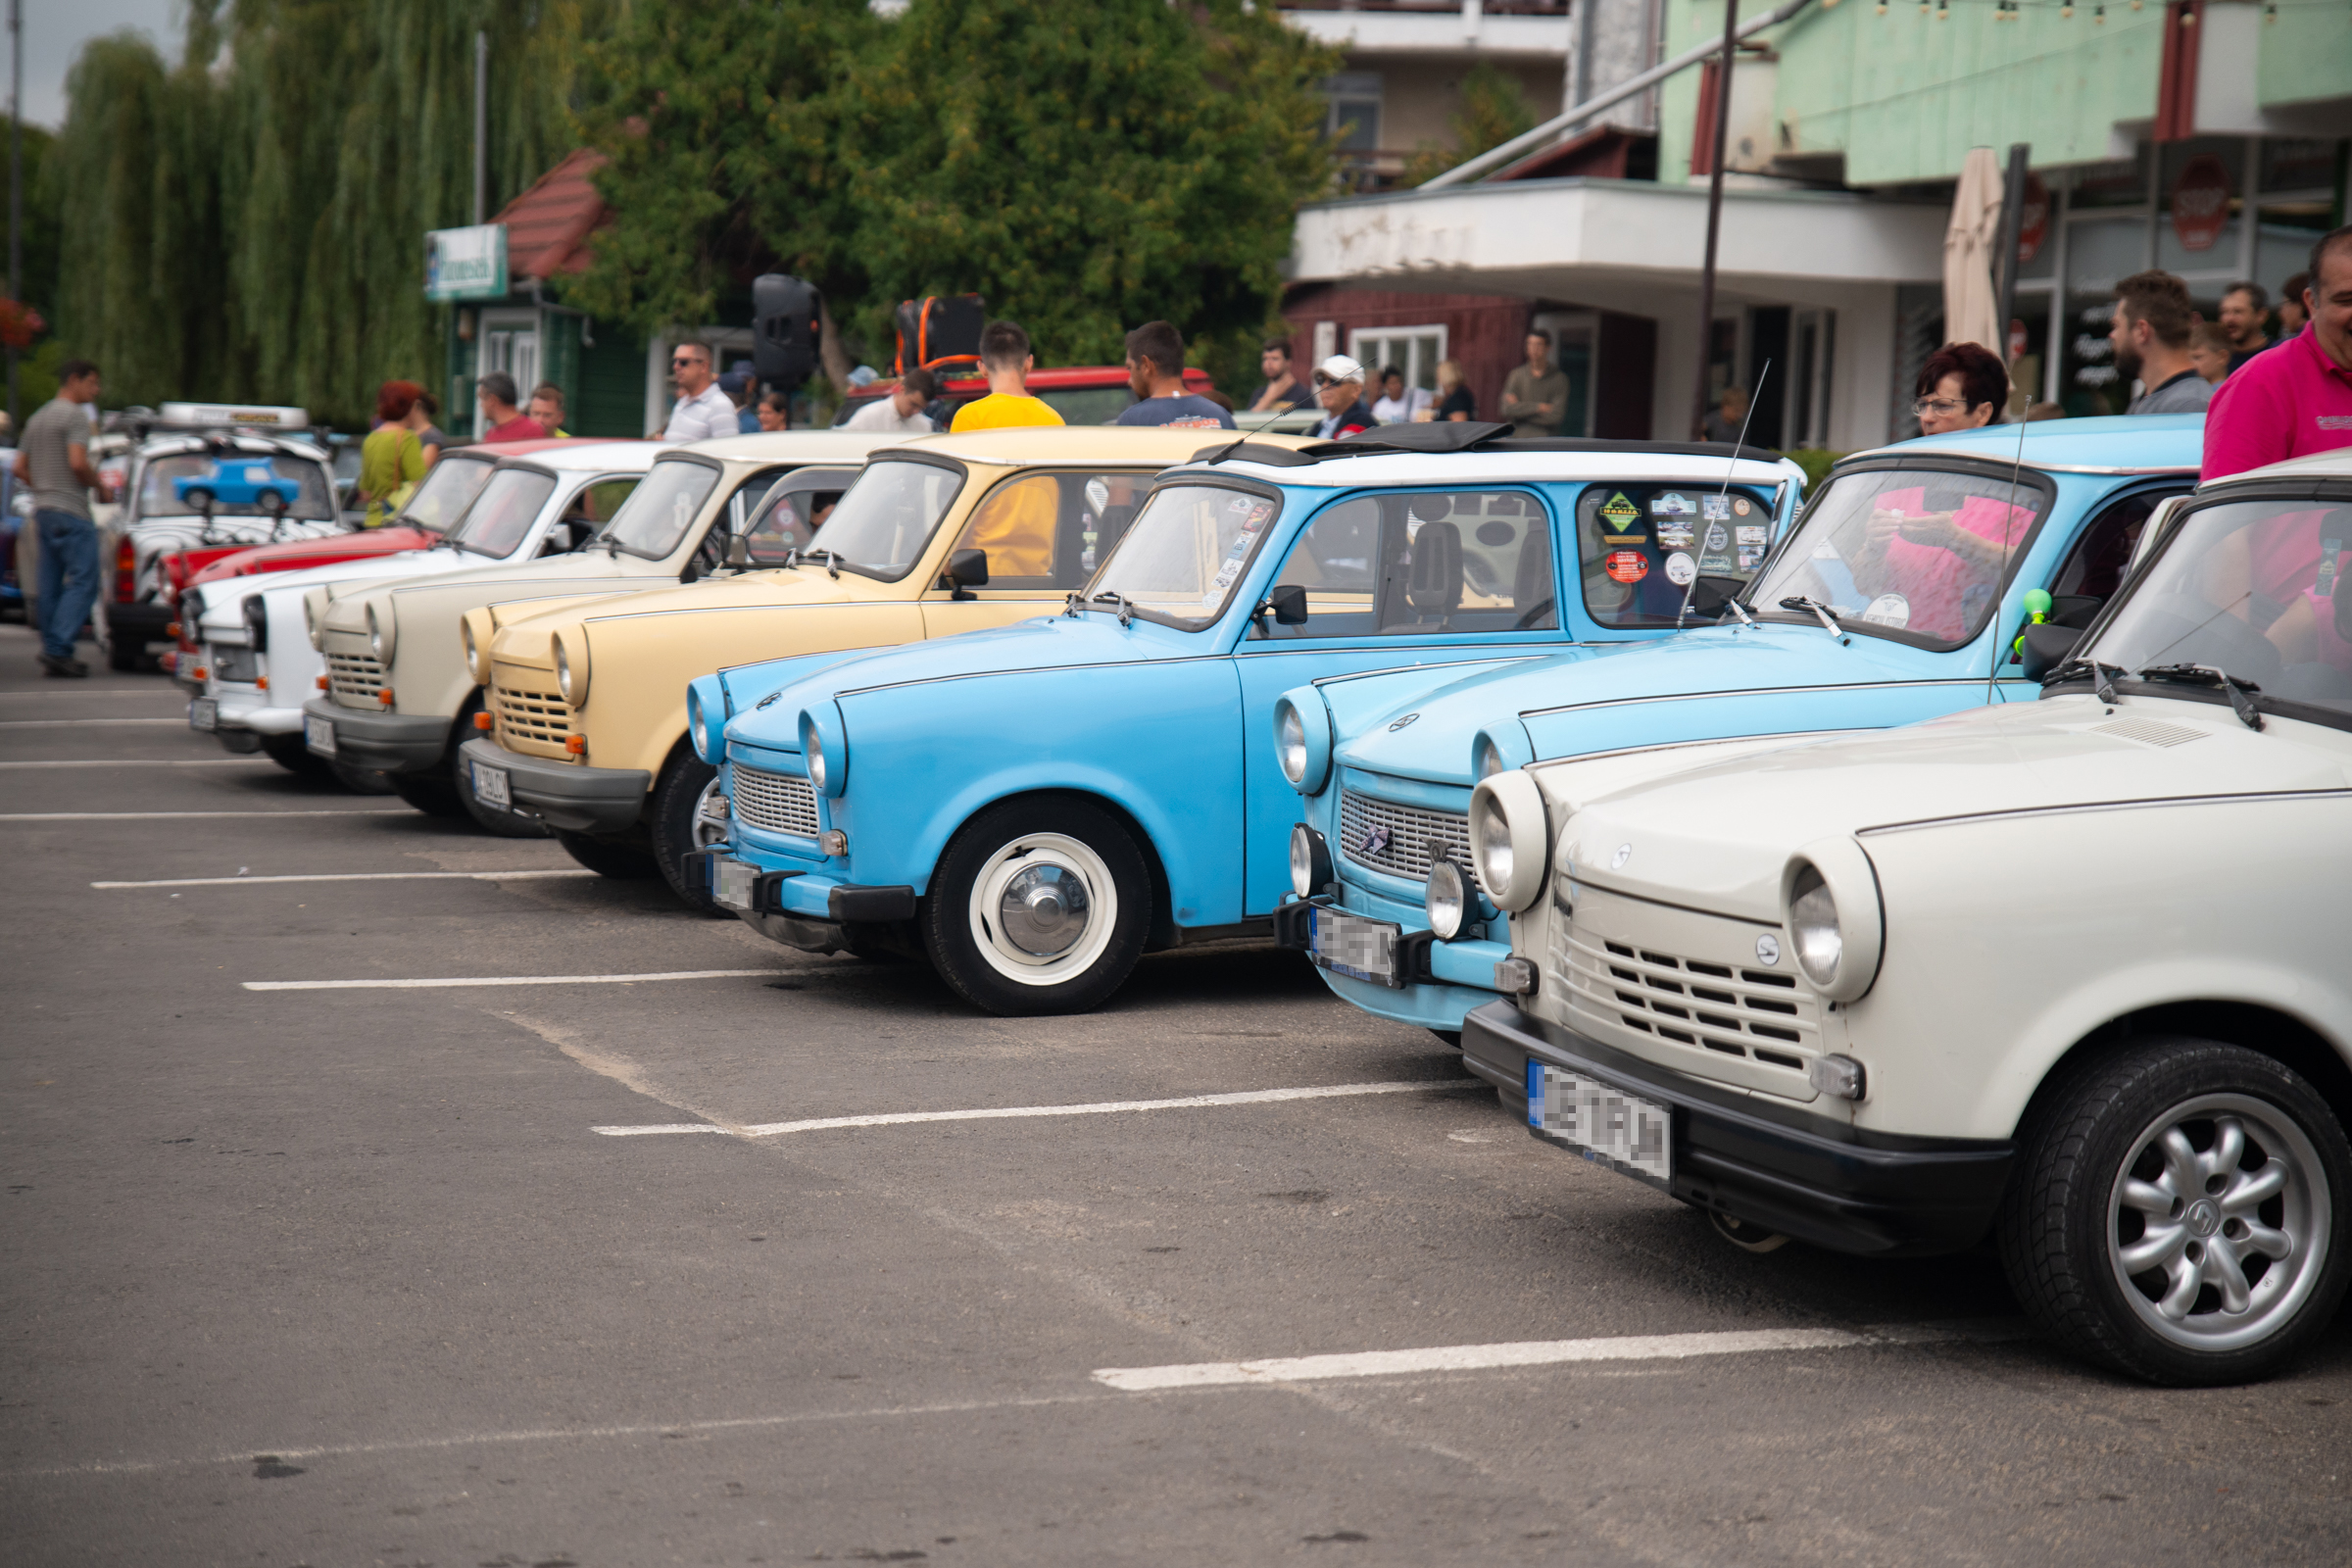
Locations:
(1351, 113)
(1414, 350)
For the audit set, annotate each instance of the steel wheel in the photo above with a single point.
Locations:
(711, 816)
(2218, 1224)
(1043, 908)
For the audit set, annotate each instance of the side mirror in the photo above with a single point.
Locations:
(2045, 647)
(739, 551)
(1288, 604)
(1708, 594)
(966, 569)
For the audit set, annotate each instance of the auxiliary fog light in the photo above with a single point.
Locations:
(1310, 861)
(1515, 976)
(1839, 1077)
(1446, 900)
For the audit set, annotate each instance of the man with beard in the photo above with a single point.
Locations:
(2153, 318)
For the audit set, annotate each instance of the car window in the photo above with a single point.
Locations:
(171, 485)
(664, 506)
(1417, 562)
(585, 515)
(747, 501)
(501, 516)
(1088, 405)
(2094, 569)
(795, 507)
(887, 516)
(447, 489)
(1181, 557)
(2256, 588)
(1050, 530)
(1640, 546)
(1912, 553)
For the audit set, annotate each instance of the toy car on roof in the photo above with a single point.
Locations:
(1034, 807)
(243, 481)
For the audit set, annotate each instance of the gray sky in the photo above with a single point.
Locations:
(55, 31)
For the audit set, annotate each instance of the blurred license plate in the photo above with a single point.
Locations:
(731, 882)
(1360, 948)
(1604, 1124)
(204, 714)
(319, 734)
(490, 786)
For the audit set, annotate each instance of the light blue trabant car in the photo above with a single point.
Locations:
(1034, 807)
(1899, 597)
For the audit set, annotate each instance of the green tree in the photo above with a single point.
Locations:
(1493, 111)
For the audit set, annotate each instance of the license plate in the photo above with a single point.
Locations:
(490, 786)
(319, 734)
(1604, 1124)
(204, 714)
(1360, 948)
(731, 882)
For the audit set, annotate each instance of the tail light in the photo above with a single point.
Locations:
(126, 573)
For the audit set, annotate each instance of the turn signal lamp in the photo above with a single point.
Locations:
(171, 629)
(384, 696)
(260, 682)
(320, 681)
(203, 674)
(482, 721)
(576, 745)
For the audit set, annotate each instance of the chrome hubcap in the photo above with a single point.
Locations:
(2218, 1223)
(1043, 908)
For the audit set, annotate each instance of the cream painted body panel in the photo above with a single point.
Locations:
(2041, 872)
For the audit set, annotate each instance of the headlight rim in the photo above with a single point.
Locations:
(1463, 899)
(571, 669)
(477, 664)
(254, 611)
(1315, 739)
(1518, 801)
(382, 635)
(824, 751)
(1320, 873)
(1852, 883)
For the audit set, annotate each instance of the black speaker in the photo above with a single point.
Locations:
(784, 331)
(940, 333)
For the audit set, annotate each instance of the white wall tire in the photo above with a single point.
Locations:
(1039, 906)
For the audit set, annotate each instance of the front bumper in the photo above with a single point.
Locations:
(565, 794)
(385, 743)
(1838, 1186)
(1443, 980)
(251, 710)
(801, 905)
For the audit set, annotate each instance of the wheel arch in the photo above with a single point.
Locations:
(2259, 1027)
(1163, 932)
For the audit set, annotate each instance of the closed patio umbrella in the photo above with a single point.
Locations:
(1971, 307)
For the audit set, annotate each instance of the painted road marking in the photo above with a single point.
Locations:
(1250, 1096)
(111, 762)
(354, 876)
(84, 723)
(1547, 1352)
(153, 816)
(505, 980)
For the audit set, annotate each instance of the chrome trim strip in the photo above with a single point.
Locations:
(1766, 691)
(2145, 804)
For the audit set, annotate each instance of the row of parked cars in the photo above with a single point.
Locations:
(1953, 856)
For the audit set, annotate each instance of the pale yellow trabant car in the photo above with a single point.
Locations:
(399, 692)
(587, 701)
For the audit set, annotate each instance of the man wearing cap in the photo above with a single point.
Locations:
(1340, 388)
(742, 388)
(1536, 394)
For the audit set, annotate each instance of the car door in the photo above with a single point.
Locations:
(1044, 531)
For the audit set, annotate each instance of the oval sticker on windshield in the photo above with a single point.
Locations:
(1627, 565)
(1679, 569)
(1888, 609)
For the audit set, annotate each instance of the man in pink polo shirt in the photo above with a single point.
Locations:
(2295, 398)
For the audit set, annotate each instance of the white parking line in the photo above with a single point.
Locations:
(153, 816)
(84, 723)
(502, 980)
(354, 876)
(117, 761)
(1546, 1352)
(149, 692)
(901, 1118)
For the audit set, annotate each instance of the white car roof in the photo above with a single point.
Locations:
(793, 446)
(631, 455)
(2336, 464)
(1495, 468)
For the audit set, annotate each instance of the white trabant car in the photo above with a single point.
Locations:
(2070, 973)
(257, 666)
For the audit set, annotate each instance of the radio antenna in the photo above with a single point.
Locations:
(1729, 469)
(2000, 645)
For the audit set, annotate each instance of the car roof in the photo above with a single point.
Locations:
(1068, 443)
(2138, 442)
(2333, 465)
(574, 456)
(254, 443)
(790, 446)
(1493, 465)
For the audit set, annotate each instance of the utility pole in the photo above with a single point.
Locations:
(1706, 274)
(481, 127)
(16, 186)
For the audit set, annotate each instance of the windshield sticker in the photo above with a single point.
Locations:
(1750, 533)
(1677, 535)
(1750, 559)
(1679, 569)
(1888, 609)
(1670, 505)
(1620, 513)
(1740, 507)
(1098, 495)
(1627, 565)
(1715, 509)
(1718, 537)
(1226, 574)
(2323, 586)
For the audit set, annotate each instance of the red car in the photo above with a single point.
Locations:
(1082, 394)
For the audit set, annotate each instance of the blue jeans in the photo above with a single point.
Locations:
(69, 579)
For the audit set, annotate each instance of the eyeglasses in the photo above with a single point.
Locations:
(1938, 406)
(1322, 380)
(685, 359)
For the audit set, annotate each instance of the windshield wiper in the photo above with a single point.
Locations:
(2239, 691)
(1739, 609)
(831, 558)
(2101, 673)
(1820, 612)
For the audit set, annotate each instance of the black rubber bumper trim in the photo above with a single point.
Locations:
(1840, 1188)
(145, 620)
(849, 902)
(389, 743)
(565, 794)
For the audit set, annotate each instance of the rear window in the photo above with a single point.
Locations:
(1640, 546)
(169, 485)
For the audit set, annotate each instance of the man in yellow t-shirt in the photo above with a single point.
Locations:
(1005, 355)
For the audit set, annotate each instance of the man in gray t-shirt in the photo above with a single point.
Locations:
(2153, 318)
(53, 457)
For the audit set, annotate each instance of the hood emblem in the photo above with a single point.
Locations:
(1374, 841)
(1400, 723)
(769, 698)
(1768, 950)
(1625, 852)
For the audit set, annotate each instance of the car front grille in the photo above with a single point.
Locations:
(532, 722)
(1398, 838)
(241, 665)
(1755, 1014)
(354, 680)
(773, 802)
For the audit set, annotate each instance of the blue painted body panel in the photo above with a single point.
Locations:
(1719, 682)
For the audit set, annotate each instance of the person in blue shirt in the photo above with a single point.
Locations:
(1155, 372)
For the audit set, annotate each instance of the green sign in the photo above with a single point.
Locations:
(466, 263)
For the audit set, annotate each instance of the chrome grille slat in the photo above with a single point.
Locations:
(773, 802)
(1762, 1019)
(354, 680)
(1412, 830)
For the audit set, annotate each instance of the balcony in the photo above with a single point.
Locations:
(1526, 29)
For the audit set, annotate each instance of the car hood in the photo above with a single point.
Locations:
(527, 639)
(536, 569)
(292, 555)
(224, 597)
(1720, 832)
(1543, 696)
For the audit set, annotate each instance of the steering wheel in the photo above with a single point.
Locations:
(1535, 612)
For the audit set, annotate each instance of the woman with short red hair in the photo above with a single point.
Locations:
(391, 460)
(1962, 386)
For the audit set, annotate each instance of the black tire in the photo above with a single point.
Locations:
(288, 752)
(123, 656)
(502, 821)
(991, 847)
(431, 794)
(677, 829)
(622, 862)
(2070, 1226)
(1451, 1039)
(361, 780)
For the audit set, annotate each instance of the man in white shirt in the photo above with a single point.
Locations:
(902, 409)
(702, 410)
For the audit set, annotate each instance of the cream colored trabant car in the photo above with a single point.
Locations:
(2070, 973)
(400, 695)
(587, 709)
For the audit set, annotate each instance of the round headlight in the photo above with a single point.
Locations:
(474, 655)
(256, 621)
(1508, 838)
(1813, 926)
(816, 768)
(1302, 740)
(1446, 900)
(1310, 861)
(1290, 745)
(572, 673)
(1494, 846)
(1487, 760)
(310, 621)
(379, 634)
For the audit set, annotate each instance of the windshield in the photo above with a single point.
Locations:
(1185, 551)
(174, 485)
(1914, 553)
(658, 512)
(886, 519)
(501, 516)
(2255, 588)
(447, 489)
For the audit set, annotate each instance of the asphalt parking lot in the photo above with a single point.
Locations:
(690, 1267)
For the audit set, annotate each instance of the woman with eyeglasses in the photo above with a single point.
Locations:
(1961, 387)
